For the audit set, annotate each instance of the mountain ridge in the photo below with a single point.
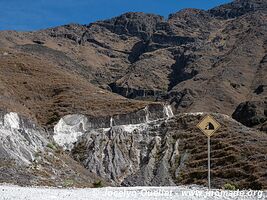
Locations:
(179, 54)
(101, 78)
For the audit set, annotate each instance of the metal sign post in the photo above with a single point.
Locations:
(209, 161)
(208, 125)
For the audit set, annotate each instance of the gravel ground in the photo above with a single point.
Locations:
(9, 192)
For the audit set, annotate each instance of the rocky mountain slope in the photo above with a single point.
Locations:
(193, 57)
(121, 72)
(29, 157)
(170, 151)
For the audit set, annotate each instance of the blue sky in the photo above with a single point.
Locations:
(38, 14)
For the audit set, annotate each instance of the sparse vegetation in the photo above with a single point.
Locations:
(37, 154)
(68, 183)
(51, 146)
(53, 119)
(229, 186)
(98, 184)
(59, 150)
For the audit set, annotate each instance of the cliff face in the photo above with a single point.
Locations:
(20, 139)
(149, 147)
(252, 113)
(28, 156)
(70, 127)
(167, 151)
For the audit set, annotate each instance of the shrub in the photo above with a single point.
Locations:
(97, 184)
(229, 186)
(37, 154)
(51, 146)
(68, 183)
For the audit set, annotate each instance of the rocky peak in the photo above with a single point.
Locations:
(194, 22)
(133, 23)
(69, 31)
(238, 8)
(188, 12)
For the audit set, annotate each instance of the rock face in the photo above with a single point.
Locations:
(133, 24)
(251, 113)
(129, 154)
(70, 127)
(20, 138)
(29, 157)
(238, 8)
(172, 151)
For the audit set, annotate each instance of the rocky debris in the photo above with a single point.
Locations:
(182, 100)
(251, 113)
(170, 40)
(260, 89)
(133, 93)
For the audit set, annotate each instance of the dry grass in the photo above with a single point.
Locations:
(45, 92)
(237, 156)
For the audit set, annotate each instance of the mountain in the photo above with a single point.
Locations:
(110, 71)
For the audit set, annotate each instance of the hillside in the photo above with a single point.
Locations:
(130, 67)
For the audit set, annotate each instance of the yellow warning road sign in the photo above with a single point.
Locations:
(208, 125)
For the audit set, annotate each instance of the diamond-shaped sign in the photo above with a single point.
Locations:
(208, 125)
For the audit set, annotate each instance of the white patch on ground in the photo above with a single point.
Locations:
(127, 128)
(106, 129)
(194, 113)
(168, 111)
(147, 114)
(11, 120)
(131, 127)
(112, 122)
(228, 117)
(122, 193)
(69, 129)
(66, 140)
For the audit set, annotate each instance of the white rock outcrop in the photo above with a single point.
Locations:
(68, 129)
(71, 127)
(20, 139)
